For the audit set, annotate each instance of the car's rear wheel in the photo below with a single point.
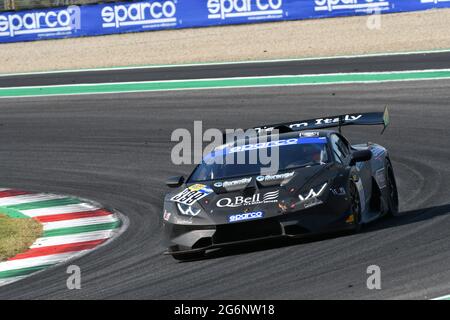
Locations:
(188, 255)
(355, 206)
(392, 190)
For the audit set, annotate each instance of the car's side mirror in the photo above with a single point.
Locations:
(175, 182)
(360, 156)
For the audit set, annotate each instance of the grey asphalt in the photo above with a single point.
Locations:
(400, 62)
(115, 149)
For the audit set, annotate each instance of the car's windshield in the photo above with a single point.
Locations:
(249, 160)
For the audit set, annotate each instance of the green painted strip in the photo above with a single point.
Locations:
(21, 272)
(45, 204)
(12, 213)
(74, 230)
(224, 83)
(215, 63)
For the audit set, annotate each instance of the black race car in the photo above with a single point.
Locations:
(323, 184)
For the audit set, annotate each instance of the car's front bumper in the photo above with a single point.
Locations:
(190, 238)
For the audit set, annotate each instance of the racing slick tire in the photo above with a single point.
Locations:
(392, 190)
(355, 206)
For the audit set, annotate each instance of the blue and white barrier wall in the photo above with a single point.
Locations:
(122, 17)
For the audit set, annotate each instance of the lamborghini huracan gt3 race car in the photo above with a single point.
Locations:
(323, 184)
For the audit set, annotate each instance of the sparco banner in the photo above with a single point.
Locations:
(121, 17)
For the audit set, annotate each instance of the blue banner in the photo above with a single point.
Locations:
(122, 17)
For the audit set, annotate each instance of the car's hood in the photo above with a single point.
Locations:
(257, 192)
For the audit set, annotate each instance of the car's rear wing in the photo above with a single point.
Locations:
(364, 119)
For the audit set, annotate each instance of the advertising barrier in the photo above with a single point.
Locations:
(122, 17)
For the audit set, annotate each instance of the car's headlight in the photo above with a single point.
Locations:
(192, 210)
(311, 198)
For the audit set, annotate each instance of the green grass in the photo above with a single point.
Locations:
(17, 235)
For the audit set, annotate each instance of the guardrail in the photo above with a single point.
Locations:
(122, 17)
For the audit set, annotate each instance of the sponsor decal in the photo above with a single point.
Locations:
(315, 123)
(312, 193)
(147, 14)
(257, 198)
(281, 176)
(227, 184)
(166, 215)
(188, 210)
(338, 191)
(43, 23)
(356, 5)
(200, 187)
(245, 216)
(192, 194)
(434, 1)
(277, 143)
(311, 203)
(311, 198)
(250, 9)
(313, 134)
(380, 177)
(184, 220)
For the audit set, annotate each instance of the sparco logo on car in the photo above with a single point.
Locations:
(245, 216)
(357, 5)
(146, 14)
(252, 9)
(257, 198)
(264, 145)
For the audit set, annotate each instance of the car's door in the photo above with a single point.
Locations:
(360, 172)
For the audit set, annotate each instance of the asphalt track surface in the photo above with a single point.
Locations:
(421, 61)
(115, 149)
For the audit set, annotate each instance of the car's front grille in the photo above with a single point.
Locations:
(246, 230)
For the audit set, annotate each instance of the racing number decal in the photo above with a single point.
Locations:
(192, 194)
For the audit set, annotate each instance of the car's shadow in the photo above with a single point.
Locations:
(404, 218)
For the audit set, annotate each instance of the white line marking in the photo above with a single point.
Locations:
(200, 64)
(75, 238)
(10, 280)
(318, 75)
(35, 261)
(225, 87)
(78, 222)
(60, 210)
(442, 298)
(8, 201)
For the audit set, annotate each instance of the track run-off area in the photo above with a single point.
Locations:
(59, 135)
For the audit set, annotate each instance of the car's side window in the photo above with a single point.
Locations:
(344, 147)
(337, 152)
(340, 147)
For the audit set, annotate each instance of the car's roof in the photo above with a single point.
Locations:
(289, 135)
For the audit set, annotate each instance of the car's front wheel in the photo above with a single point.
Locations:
(392, 190)
(355, 206)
